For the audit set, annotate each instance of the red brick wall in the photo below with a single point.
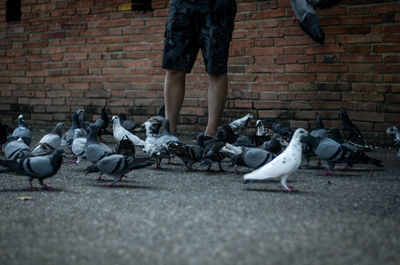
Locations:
(64, 55)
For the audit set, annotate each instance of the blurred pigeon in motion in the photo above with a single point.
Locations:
(333, 152)
(247, 157)
(78, 146)
(95, 150)
(49, 142)
(156, 145)
(16, 148)
(241, 124)
(128, 125)
(323, 4)
(118, 165)
(189, 153)
(308, 20)
(119, 132)
(392, 130)
(125, 147)
(22, 131)
(319, 130)
(350, 131)
(212, 153)
(284, 164)
(261, 130)
(39, 167)
(273, 145)
(284, 131)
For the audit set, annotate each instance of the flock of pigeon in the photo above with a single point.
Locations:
(274, 151)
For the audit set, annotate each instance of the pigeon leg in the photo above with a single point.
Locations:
(30, 184)
(327, 173)
(286, 187)
(44, 185)
(99, 177)
(220, 167)
(121, 177)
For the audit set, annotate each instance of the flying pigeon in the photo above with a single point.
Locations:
(22, 131)
(284, 164)
(125, 147)
(308, 20)
(350, 131)
(95, 150)
(40, 167)
(240, 124)
(247, 157)
(119, 132)
(392, 130)
(16, 148)
(323, 4)
(333, 152)
(117, 166)
(78, 146)
(49, 142)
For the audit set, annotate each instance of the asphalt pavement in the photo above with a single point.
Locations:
(174, 216)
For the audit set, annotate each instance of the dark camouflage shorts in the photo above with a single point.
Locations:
(199, 24)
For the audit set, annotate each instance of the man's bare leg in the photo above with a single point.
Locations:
(217, 93)
(174, 93)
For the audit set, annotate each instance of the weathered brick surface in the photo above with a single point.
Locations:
(65, 55)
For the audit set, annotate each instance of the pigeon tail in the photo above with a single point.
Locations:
(310, 25)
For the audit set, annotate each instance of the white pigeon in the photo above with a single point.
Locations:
(284, 164)
(119, 132)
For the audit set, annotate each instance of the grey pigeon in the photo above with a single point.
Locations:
(350, 131)
(95, 150)
(102, 123)
(189, 153)
(273, 145)
(284, 164)
(117, 166)
(284, 131)
(247, 157)
(39, 167)
(333, 152)
(156, 145)
(212, 150)
(49, 142)
(319, 130)
(392, 130)
(79, 145)
(16, 148)
(70, 134)
(125, 147)
(308, 20)
(22, 131)
(241, 124)
(128, 125)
